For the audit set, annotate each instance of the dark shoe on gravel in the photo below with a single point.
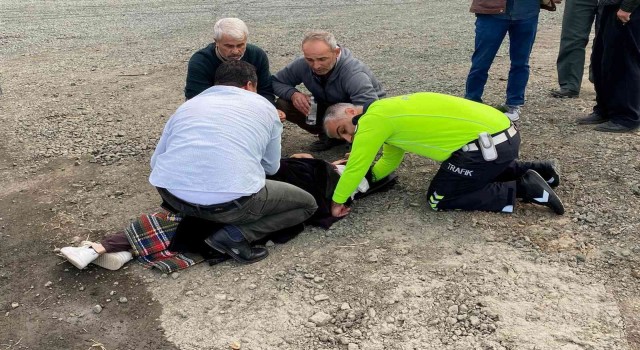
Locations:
(537, 191)
(592, 118)
(241, 251)
(564, 93)
(613, 127)
(549, 170)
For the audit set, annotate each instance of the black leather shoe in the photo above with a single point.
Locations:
(592, 118)
(324, 143)
(241, 251)
(564, 93)
(613, 127)
(537, 191)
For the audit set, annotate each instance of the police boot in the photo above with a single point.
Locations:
(548, 169)
(532, 188)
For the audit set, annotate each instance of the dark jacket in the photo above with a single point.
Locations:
(204, 63)
(625, 5)
(493, 7)
(350, 81)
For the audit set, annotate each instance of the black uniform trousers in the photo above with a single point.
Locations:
(616, 67)
(466, 181)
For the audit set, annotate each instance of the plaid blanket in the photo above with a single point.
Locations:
(150, 236)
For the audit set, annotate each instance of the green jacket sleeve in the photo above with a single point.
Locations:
(368, 139)
(391, 158)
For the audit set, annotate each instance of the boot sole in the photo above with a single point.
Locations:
(224, 250)
(558, 210)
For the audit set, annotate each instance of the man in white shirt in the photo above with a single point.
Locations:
(211, 161)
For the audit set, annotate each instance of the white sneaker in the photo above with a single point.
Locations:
(113, 261)
(80, 257)
(513, 113)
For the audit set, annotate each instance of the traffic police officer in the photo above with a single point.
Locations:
(477, 145)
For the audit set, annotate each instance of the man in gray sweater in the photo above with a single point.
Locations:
(332, 75)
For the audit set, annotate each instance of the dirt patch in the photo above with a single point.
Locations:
(86, 90)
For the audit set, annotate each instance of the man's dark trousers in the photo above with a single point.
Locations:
(466, 181)
(616, 67)
(577, 21)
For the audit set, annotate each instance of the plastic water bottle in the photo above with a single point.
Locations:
(313, 110)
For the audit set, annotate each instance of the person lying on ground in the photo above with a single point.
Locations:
(151, 236)
(477, 145)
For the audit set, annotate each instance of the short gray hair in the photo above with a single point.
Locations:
(336, 112)
(321, 35)
(233, 27)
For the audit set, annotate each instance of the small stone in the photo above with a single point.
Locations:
(453, 310)
(235, 345)
(320, 318)
(309, 276)
(459, 251)
(451, 320)
(462, 309)
(269, 244)
(635, 273)
(414, 204)
(252, 286)
(123, 300)
(474, 320)
(175, 275)
(56, 250)
(318, 279)
(372, 313)
(372, 258)
(81, 288)
(353, 346)
(96, 309)
(581, 258)
(220, 297)
(189, 293)
(14, 305)
(112, 293)
(462, 317)
(321, 297)
(48, 284)
(345, 306)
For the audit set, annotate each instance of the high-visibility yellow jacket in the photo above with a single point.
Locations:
(429, 124)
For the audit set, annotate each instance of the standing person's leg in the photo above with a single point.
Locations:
(599, 70)
(577, 21)
(622, 58)
(490, 31)
(522, 34)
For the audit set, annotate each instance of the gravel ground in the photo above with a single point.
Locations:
(86, 88)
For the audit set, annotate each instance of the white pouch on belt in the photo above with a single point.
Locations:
(488, 149)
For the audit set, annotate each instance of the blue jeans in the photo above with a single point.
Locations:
(490, 32)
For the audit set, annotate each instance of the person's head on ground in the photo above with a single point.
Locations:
(338, 121)
(237, 73)
(320, 51)
(230, 36)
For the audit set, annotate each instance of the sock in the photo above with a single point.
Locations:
(234, 233)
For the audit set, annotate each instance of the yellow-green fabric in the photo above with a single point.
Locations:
(429, 124)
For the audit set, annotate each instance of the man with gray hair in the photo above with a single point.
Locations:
(332, 75)
(229, 44)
